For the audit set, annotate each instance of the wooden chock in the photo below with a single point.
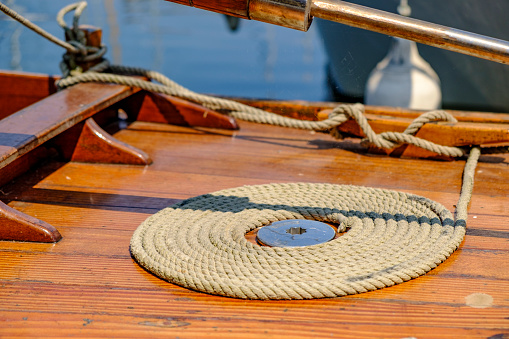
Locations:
(15, 225)
(97, 146)
(162, 108)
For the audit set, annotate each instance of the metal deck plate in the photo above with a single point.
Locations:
(296, 232)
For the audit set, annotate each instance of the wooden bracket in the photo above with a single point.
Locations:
(88, 142)
(97, 146)
(85, 141)
(166, 109)
(93, 144)
(15, 225)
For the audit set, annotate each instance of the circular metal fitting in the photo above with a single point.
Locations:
(295, 232)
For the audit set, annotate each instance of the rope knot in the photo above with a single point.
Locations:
(390, 140)
(86, 40)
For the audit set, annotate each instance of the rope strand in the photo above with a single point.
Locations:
(467, 186)
(240, 111)
(122, 75)
(24, 21)
(392, 237)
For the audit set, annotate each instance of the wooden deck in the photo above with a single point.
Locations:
(87, 284)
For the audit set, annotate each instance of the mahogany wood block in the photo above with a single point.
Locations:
(161, 108)
(94, 145)
(18, 226)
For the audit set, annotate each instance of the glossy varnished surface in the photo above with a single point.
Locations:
(88, 285)
(55, 123)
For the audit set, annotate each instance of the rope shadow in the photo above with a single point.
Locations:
(234, 204)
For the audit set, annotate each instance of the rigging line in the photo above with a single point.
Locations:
(24, 21)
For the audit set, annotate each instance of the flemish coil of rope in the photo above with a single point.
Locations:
(391, 237)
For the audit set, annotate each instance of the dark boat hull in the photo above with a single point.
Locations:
(467, 82)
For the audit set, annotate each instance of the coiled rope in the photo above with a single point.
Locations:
(391, 237)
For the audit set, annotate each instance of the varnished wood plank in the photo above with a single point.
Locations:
(303, 158)
(97, 207)
(53, 115)
(20, 89)
(173, 184)
(303, 317)
(195, 326)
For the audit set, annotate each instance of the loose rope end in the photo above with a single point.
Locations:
(467, 186)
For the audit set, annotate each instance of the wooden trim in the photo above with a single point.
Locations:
(95, 145)
(167, 109)
(38, 123)
(19, 90)
(18, 226)
(32, 126)
(311, 111)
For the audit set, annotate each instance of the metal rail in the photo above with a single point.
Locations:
(412, 29)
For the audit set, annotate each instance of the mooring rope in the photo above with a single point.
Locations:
(79, 52)
(24, 21)
(339, 115)
(390, 237)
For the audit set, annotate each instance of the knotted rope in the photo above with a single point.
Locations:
(79, 52)
(72, 60)
(124, 76)
(391, 237)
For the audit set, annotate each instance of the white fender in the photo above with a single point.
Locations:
(404, 79)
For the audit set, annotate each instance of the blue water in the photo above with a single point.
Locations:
(193, 47)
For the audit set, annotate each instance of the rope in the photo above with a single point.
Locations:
(79, 53)
(24, 21)
(78, 8)
(124, 76)
(72, 62)
(468, 184)
(390, 237)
